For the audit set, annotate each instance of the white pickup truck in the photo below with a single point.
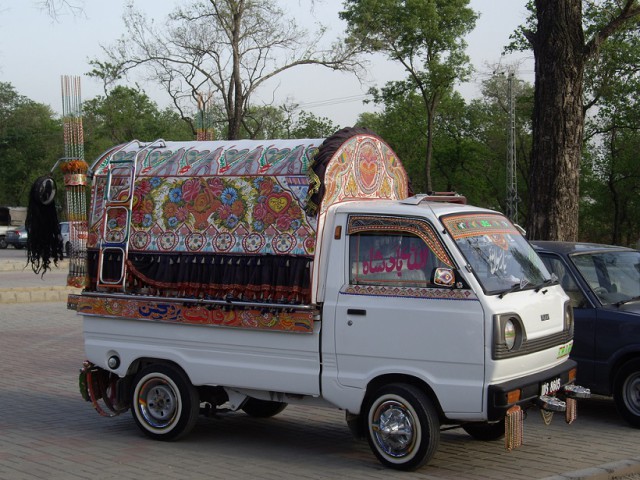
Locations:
(251, 275)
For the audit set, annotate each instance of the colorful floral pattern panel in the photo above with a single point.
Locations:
(364, 167)
(223, 198)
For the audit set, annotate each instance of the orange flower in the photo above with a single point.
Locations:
(74, 166)
(201, 202)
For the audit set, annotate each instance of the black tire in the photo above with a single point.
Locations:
(164, 403)
(403, 428)
(485, 431)
(67, 249)
(18, 247)
(262, 408)
(3, 243)
(626, 392)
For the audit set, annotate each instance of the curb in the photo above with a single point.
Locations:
(52, 293)
(18, 265)
(36, 294)
(623, 469)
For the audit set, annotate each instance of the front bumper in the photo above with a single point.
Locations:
(527, 391)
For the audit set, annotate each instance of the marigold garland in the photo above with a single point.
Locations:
(74, 166)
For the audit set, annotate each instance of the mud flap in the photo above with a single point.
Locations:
(99, 387)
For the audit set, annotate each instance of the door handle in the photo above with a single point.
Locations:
(356, 311)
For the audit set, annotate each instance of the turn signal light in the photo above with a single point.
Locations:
(513, 396)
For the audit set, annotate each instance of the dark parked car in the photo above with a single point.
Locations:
(17, 236)
(603, 283)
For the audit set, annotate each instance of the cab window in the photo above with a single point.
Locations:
(395, 258)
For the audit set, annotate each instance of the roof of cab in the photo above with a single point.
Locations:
(569, 248)
(400, 207)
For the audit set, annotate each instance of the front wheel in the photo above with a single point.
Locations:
(3, 243)
(403, 428)
(165, 405)
(626, 392)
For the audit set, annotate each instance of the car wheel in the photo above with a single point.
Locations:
(403, 428)
(3, 243)
(67, 249)
(627, 392)
(165, 405)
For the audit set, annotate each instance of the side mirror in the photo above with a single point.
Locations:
(443, 277)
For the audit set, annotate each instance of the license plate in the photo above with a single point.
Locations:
(551, 386)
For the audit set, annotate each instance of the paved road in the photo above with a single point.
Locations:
(48, 432)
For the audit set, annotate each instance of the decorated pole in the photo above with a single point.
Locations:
(74, 169)
(204, 127)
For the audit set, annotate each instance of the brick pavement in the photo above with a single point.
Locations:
(48, 432)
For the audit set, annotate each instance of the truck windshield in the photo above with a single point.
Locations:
(499, 256)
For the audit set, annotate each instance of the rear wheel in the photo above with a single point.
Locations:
(3, 242)
(165, 405)
(626, 392)
(403, 428)
(262, 408)
(485, 431)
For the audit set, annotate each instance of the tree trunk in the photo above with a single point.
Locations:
(429, 153)
(558, 121)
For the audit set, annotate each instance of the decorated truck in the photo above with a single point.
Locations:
(226, 276)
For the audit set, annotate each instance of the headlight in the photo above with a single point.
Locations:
(568, 318)
(509, 334)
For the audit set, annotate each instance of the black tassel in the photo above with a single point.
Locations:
(44, 243)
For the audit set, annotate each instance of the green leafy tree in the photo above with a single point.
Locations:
(126, 114)
(30, 143)
(491, 114)
(269, 122)
(427, 38)
(610, 174)
(308, 125)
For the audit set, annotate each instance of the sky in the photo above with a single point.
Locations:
(35, 51)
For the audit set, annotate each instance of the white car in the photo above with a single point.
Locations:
(65, 237)
(73, 235)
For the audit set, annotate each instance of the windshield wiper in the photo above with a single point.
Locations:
(547, 283)
(622, 302)
(514, 288)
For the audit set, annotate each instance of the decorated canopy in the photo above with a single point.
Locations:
(227, 218)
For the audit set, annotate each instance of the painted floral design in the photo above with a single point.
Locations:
(225, 214)
(275, 206)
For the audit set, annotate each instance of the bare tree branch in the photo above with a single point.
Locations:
(228, 47)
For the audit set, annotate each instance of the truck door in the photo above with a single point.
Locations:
(393, 318)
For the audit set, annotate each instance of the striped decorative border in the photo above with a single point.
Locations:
(194, 314)
(409, 292)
